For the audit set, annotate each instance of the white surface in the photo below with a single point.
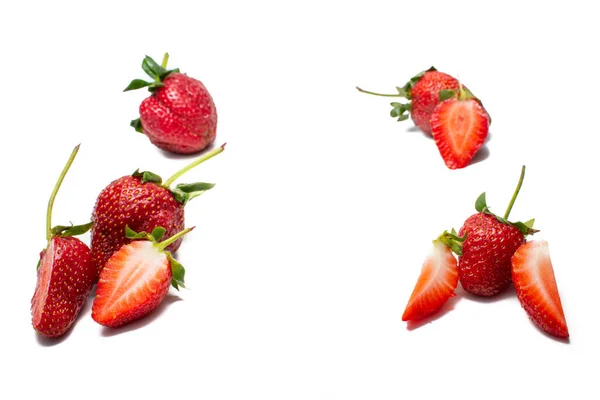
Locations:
(308, 248)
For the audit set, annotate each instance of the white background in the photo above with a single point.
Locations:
(308, 248)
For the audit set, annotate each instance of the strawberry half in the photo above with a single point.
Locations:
(136, 279)
(533, 277)
(65, 276)
(436, 283)
(459, 126)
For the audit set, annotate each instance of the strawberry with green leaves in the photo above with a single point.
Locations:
(485, 244)
(180, 115)
(143, 202)
(423, 92)
(136, 279)
(534, 281)
(65, 275)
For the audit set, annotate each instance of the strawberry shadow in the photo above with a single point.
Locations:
(176, 156)
(447, 307)
(145, 320)
(509, 292)
(85, 310)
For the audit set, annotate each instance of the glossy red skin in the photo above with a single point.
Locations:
(141, 206)
(181, 116)
(484, 269)
(72, 277)
(426, 96)
(156, 288)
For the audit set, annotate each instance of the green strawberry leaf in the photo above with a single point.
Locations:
(400, 110)
(133, 235)
(147, 176)
(137, 84)
(71, 230)
(452, 241)
(529, 223)
(480, 203)
(167, 73)
(447, 94)
(177, 270)
(158, 233)
(186, 192)
(137, 125)
(152, 68)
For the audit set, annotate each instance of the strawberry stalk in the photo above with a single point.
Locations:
(195, 163)
(515, 194)
(61, 230)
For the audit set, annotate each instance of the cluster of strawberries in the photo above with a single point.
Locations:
(442, 107)
(137, 221)
(492, 252)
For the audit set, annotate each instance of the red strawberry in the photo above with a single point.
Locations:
(424, 91)
(180, 115)
(534, 280)
(436, 283)
(136, 279)
(459, 126)
(484, 267)
(142, 202)
(489, 241)
(65, 275)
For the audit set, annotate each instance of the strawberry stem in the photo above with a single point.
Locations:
(165, 60)
(163, 245)
(515, 194)
(196, 162)
(55, 191)
(379, 94)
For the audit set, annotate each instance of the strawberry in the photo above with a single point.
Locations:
(436, 283)
(424, 91)
(487, 245)
(143, 202)
(180, 115)
(136, 279)
(534, 280)
(460, 127)
(65, 274)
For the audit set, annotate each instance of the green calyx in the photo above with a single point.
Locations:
(452, 241)
(462, 94)
(183, 192)
(526, 228)
(63, 230)
(401, 110)
(177, 270)
(158, 72)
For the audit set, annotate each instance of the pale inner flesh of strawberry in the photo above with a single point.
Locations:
(542, 280)
(133, 281)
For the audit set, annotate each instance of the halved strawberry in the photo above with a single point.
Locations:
(135, 280)
(436, 284)
(533, 277)
(459, 127)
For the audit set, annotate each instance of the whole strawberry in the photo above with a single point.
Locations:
(143, 202)
(423, 91)
(65, 275)
(484, 267)
(140, 273)
(180, 115)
